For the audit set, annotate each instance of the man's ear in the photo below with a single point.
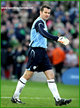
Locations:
(40, 12)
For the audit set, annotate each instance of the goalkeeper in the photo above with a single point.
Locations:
(38, 58)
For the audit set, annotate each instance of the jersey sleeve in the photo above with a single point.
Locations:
(39, 26)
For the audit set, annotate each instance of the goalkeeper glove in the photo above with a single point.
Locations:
(63, 40)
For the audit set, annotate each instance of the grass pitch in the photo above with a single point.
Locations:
(37, 94)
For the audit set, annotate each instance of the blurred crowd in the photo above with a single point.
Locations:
(15, 35)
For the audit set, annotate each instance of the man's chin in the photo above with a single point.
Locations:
(46, 18)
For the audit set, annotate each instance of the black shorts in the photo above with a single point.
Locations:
(38, 60)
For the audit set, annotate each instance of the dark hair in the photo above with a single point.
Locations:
(44, 6)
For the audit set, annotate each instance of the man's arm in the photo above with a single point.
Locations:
(39, 26)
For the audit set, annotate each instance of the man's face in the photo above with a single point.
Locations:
(45, 14)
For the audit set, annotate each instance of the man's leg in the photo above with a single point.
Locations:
(53, 88)
(21, 83)
(51, 84)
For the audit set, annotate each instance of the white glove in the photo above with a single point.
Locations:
(63, 40)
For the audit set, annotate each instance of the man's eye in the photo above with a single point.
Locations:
(46, 13)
